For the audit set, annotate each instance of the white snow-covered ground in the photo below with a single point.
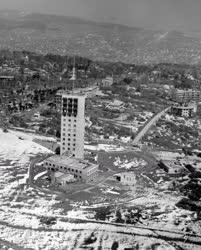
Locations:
(18, 150)
(105, 147)
(129, 164)
(166, 155)
(36, 177)
(31, 136)
(22, 206)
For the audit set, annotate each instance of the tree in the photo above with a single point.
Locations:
(127, 80)
(118, 217)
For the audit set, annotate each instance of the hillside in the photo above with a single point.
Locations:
(97, 41)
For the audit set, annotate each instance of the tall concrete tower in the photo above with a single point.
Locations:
(73, 125)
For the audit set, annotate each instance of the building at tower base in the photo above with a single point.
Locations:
(81, 170)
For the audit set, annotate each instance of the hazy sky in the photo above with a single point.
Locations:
(169, 14)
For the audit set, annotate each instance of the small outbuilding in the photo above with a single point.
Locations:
(126, 178)
(62, 179)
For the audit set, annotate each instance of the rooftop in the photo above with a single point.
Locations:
(64, 177)
(70, 162)
(187, 91)
(127, 174)
(73, 94)
(185, 106)
(61, 92)
(6, 77)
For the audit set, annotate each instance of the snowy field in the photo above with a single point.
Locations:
(126, 164)
(104, 147)
(165, 155)
(18, 150)
(22, 207)
(31, 136)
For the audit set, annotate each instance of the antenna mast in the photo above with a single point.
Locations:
(65, 87)
(73, 74)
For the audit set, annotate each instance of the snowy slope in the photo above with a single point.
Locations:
(22, 206)
(18, 150)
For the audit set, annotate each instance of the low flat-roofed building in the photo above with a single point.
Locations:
(81, 170)
(7, 82)
(186, 95)
(107, 82)
(185, 110)
(126, 178)
(173, 167)
(62, 179)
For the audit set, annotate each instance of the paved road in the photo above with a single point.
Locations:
(149, 125)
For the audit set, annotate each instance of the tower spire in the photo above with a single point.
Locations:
(73, 78)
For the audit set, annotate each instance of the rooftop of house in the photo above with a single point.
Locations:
(126, 174)
(183, 91)
(7, 77)
(185, 106)
(174, 164)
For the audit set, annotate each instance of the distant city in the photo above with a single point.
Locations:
(107, 42)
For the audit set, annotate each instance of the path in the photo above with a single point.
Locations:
(149, 125)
